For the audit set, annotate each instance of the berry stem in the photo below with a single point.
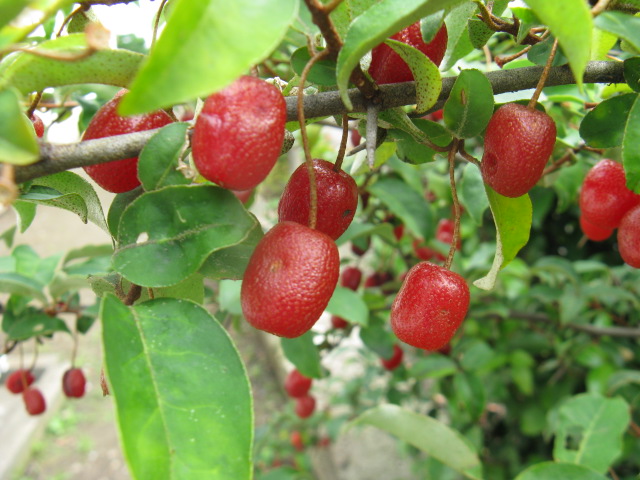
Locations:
(543, 77)
(313, 189)
(34, 104)
(156, 22)
(343, 143)
(456, 203)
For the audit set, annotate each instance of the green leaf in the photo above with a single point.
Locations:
(375, 25)
(426, 74)
(597, 425)
(559, 471)
(35, 324)
(31, 73)
(604, 126)
(349, 305)
(574, 37)
(470, 393)
(204, 47)
(346, 12)
(427, 434)
(630, 151)
(377, 338)
(40, 13)
(26, 212)
(303, 354)
(621, 379)
(9, 9)
(473, 195)
(229, 296)
(120, 202)
(513, 217)
(182, 395)
(470, 104)
(231, 262)
(158, 161)
(323, 71)
(625, 26)
(359, 230)
(18, 144)
(75, 194)
(539, 53)
(164, 236)
(406, 204)
(432, 366)
(632, 72)
(17, 284)
(458, 40)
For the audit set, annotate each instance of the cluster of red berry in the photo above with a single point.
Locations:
(20, 381)
(297, 387)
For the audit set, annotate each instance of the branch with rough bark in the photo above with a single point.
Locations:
(58, 158)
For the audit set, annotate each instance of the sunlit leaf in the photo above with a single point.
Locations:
(18, 144)
(303, 354)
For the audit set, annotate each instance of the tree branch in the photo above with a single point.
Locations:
(58, 158)
(619, 332)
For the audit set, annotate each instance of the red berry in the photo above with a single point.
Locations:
(238, 135)
(444, 232)
(378, 279)
(398, 232)
(38, 125)
(395, 360)
(289, 280)
(356, 138)
(121, 175)
(604, 196)
(361, 248)
(243, 195)
(296, 440)
(338, 322)
(296, 384)
(426, 253)
(73, 383)
(629, 237)
(337, 198)
(351, 278)
(34, 401)
(388, 67)
(430, 306)
(518, 142)
(305, 406)
(594, 232)
(18, 380)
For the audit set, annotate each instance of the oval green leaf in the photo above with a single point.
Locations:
(18, 144)
(158, 161)
(349, 305)
(632, 72)
(625, 26)
(181, 391)
(470, 105)
(604, 126)
(559, 471)
(323, 72)
(303, 354)
(630, 150)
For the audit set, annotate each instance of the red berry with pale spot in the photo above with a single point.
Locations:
(34, 401)
(394, 361)
(388, 67)
(517, 145)
(38, 125)
(604, 196)
(430, 306)
(629, 237)
(296, 384)
(351, 278)
(121, 175)
(305, 406)
(73, 383)
(289, 280)
(337, 198)
(239, 133)
(594, 232)
(19, 380)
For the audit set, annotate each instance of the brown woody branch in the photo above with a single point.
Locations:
(618, 332)
(58, 158)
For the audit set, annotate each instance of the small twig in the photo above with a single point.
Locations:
(502, 61)
(635, 429)
(599, 7)
(372, 133)
(156, 22)
(456, 204)
(617, 332)
(331, 6)
(558, 163)
(498, 25)
(467, 156)
(34, 104)
(343, 143)
(543, 77)
(132, 295)
(82, 8)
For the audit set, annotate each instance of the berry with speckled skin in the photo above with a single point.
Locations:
(517, 145)
(296, 384)
(305, 406)
(394, 361)
(17, 381)
(121, 175)
(594, 232)
(34, 401)
(430, 306)
(239, 133)
(629, 237)
(388, 67)
(604, 196)
(289, 280)
(337, 198)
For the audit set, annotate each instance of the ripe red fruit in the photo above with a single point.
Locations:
(594, 232)
(243, 195)
(121, 175)
(388, 67)
(296, 440)
(296, 384)
(338, 322)
(337, 198)
(305, 406)
(378, 279)
(430, 306)
(73, 383)
(289, 280)
(426, 253)
(398, 232)
(444, 232)
(356, 138)
(395, 360)
(629, 237)
(361, 247)
(351, 278)
(238, 135)
(34, 401)
(16, 381)
(604, 196)
(517, 144)
(38, 125)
